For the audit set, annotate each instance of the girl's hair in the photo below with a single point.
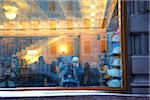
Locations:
(87, 68)
(53, 67)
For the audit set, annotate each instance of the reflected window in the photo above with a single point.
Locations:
(87, 47)
(52, 6)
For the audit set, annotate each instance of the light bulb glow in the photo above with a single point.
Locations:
(10, 15)
(39, 26)
(31, 56)
(93, 14)
(20, 26)
(92, 24)
(1, 26)
(32, 52)
(93, 6)
(57, 26)
(75, 25)
(92, 20)
(11, 11)
(63, 49)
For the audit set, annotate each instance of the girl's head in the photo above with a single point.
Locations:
(87, 67)
(54, 67)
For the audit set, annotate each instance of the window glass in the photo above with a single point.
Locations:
(61, 43)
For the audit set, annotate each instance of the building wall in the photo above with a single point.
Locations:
(88, 52)
(91, 47)
(138, 45)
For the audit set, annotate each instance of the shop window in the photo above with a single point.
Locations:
(84, 53)
(52, 6)
(69, 6)
(87, 47)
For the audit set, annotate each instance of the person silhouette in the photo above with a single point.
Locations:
(42, 66)
(77, 69)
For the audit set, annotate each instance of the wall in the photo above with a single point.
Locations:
(138, 45)
(91, 47)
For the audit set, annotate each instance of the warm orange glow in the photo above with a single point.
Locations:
(39, 26)
(57, 26)
(32, 52)
(52, 24)
(92, 11)
(103, 45)
(92, 19)
(92, 24)
(93, 6)
(32, 56)
(63, 49)
(20, 26)
(35, 22)
(75, 25)
(10, 8)
(22, 4)
(1, 26)
(87, 23)
(70, 23)
(93, 14)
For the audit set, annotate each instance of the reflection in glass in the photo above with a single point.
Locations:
(84, 51)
